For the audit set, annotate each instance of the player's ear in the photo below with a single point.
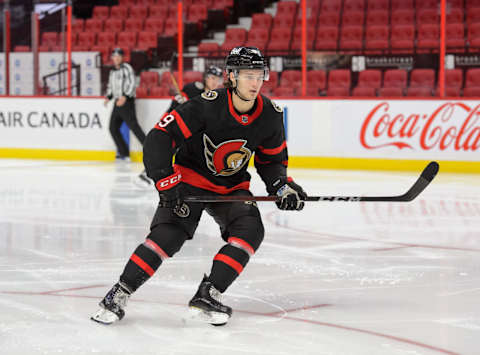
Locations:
(231, 75)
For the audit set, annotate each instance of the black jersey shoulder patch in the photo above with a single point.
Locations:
(209, 95)
(199, 85)
(276, 107)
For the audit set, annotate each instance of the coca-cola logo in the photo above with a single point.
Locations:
(450, 126)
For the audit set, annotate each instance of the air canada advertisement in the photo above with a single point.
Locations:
(51, 123)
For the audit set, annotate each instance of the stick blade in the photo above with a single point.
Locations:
(428, 174)
(430, 171)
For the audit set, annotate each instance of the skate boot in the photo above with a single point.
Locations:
(112, 306)
(206, 305)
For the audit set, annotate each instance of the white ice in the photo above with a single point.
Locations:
(336, 278)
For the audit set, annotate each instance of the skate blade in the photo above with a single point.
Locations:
(104, 316)
(142, 182)
(213, 318)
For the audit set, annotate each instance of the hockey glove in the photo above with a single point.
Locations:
(290, 195)
(171, 194)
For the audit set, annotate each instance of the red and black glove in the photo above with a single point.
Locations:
(171, 194)
(290, 195)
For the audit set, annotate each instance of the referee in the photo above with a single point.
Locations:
(121, 88)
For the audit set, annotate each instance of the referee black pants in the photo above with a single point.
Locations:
(125, 113)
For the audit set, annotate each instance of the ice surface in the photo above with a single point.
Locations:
(336, 278)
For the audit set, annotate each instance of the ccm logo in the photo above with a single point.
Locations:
(166, 120)
(169, 182)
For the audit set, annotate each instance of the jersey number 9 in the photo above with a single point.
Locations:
(166, 120)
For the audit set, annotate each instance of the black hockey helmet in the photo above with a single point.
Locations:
(246, 58)
(213, 70)
(118, 51)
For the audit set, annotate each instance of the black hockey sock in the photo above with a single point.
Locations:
(142, 265)
(227, 265)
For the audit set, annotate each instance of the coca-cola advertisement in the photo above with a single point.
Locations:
(408, 129)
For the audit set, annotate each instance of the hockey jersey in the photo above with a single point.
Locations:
(214, 143)
(188, 92)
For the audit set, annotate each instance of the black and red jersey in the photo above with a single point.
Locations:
(188, 92)
(214, 142)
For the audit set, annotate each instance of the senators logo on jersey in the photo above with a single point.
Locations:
(227, 158)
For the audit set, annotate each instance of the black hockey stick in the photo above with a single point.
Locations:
(422, 182)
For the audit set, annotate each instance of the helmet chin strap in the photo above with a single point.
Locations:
(240, 96)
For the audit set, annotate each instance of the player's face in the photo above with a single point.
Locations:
(250, 82)
(213, 82)
(117, 59)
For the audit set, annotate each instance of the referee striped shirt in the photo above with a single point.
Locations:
(121, 82)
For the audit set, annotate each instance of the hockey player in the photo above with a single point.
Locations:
(214, 136)
(212, 79)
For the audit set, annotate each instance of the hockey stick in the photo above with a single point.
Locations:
(422, 182)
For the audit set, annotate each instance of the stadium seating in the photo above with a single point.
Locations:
(428, 38)
(208, 49)
(133, 25)
(127, 39)
(291, 78)
(149, 79)
(141, 91)
(370, 78)
(94, 25)
(119, 12)
(233, 37)
(316, 80)
(146, 40)
(455, 38)
(279, 41)
(258, 37)
(339, 82)
(284, 91)
(114, 24)
(363, 91)
(261, 21)
(297, 38)
(153, 24)
(138, 12)
(390, 92)
(106, 38)
(327, 38)
(351, 40)
(377, 41)
(395, 78)
(377, 18)
(402, 39)
(374, 5)
(197, 13)
(190, 76)
(101, 12)
(159, 91)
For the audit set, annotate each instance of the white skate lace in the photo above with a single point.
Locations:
(121, 297)
(215, 294)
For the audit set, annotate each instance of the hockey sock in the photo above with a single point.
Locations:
(227, 265)
(142, 265)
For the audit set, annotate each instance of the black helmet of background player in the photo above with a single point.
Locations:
(213, 78)
(117, 56)
(244, 58)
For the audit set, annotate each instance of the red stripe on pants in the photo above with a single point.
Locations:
(235, 265)
(142, 264)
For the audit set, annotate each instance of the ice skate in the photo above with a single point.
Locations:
(206, 305)
(112, 307)
(143, 181)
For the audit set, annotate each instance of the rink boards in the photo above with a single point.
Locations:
(352, 134)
